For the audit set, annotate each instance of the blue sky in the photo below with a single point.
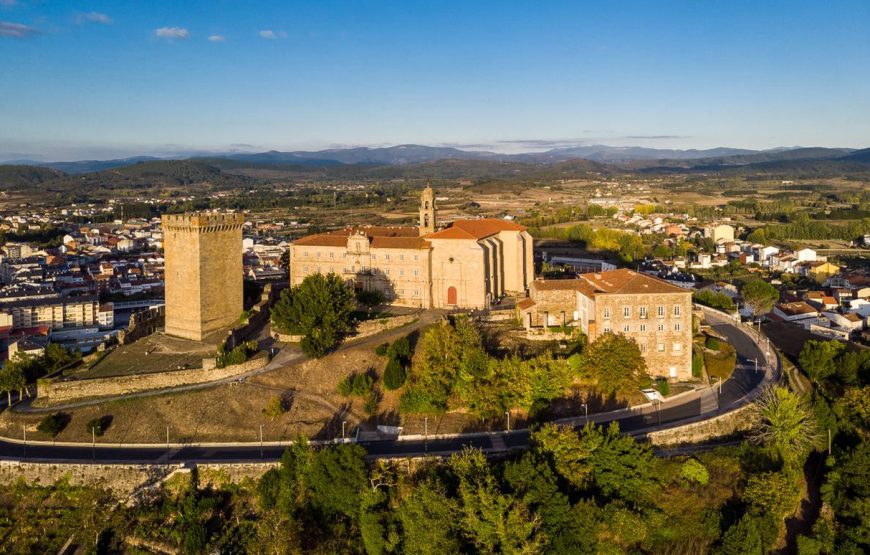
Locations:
(104, 79)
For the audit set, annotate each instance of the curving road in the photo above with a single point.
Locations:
(678, 410)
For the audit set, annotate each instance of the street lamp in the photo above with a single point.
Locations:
(343, 424)
(261, 441)
(507, 414)
(756, 363)
(586, 412)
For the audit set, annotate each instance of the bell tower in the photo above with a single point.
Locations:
(427, 211)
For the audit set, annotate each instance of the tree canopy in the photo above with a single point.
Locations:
(319, 309)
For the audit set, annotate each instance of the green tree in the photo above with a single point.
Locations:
(12, 378)
(493, 521)
(614, 361)
(423, 506)
(786, 424)
(743, 538)
(819, 358)
(759, 296)
(394, 374)
(336, 477)
(319, 309)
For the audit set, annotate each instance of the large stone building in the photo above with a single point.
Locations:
(651, 311)
(56, 313)
(468, 264)
(203, 273)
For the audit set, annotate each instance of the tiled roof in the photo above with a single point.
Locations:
(475, 229)
(380, 237)
(624, 282)
(563, 285)
(525, 304)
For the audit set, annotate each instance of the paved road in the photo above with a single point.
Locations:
(685, 408)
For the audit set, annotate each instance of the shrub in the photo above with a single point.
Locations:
(381, 350)
(54, 424)
(694, 471)
(663, 386)
(370, 298)
(357, 385)
(394, 374)
(99, 425)
(238, 355)
(400, 349)
(276, 407)
(372, 400)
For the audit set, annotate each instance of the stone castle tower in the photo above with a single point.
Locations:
(428, 213)
(203, 273)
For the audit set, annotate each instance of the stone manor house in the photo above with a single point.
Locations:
(467, 264)
(653, 312)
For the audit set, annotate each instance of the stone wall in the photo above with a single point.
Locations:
(123, 479)
(373, 327)
(739, 420)
(143, 323)
(56, 391)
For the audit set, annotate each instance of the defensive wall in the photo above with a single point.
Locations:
(58, 391)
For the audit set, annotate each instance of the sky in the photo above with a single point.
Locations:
(96, 79)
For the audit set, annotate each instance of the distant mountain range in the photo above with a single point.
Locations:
(632, 157)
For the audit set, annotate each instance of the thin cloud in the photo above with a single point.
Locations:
(172, 33)
(217, 38)
(655, 137)
(269, 34)
(94, 17)
(16, 30)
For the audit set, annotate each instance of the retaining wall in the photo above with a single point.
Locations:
(56, 391)
(739, 420)
(123, 479)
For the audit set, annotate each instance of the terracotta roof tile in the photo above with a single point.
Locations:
(624, 282)
(476, 229)
(380, 237)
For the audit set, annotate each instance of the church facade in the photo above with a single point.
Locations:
(467, 264)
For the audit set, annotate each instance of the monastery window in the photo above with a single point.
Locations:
(318, 254)
(643, 327)
(642, 311)
(626, 328)
(306, 254)
(402, 273)
(415, 257)
(318, 270)
(626, 312)
(643, 347)
(678, 347)
(386, 256)
(344, 255)
(607, 327)
(305, 268)
(607, 312)
(416, 272)
(660, 347)
(374, 256)
(677, 326)
(661, 310)
(401, 292)
(331, 255)
(677, 310)
(402, 257)
(661, 327)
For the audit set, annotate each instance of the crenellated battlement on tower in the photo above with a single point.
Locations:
(202, 221)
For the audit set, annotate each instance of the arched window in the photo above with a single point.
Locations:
(426, 220)
(426, 205)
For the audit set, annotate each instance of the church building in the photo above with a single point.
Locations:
(467, 264)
